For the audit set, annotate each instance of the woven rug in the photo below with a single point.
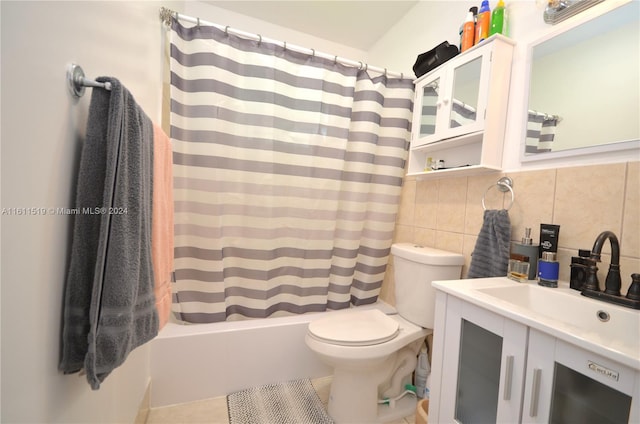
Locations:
(291, 402)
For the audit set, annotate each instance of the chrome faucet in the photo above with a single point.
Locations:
(613, 282)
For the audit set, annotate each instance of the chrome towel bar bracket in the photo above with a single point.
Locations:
(77, 81)
(504, 184)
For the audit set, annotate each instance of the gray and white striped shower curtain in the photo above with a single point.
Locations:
(287, 176)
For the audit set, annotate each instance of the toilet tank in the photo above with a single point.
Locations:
(415, 267)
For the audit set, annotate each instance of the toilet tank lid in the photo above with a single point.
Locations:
(426, 255)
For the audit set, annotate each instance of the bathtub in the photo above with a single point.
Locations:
(201, 361)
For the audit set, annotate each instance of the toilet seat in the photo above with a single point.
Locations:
(355, 328)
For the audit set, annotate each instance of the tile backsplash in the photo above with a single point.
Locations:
(447, 213)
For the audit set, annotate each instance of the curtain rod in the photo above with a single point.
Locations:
(166, 14)
(546, 116)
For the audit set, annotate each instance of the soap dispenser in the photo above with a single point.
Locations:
(528, 249)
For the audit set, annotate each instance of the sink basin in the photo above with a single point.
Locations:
(597, 321)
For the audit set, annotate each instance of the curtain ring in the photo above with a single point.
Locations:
(401, 75)
(226, 30)
(335, 60)
(198, 24)
(313, 52)
(259, 39)
(366, 66)
(360, 67)
(285, 46)
(385, 72)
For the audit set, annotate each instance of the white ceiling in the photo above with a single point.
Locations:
(357, 24)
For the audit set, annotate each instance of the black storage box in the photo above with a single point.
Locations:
(434, 58)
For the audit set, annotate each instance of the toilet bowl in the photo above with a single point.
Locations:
(362, 365)
(374, 354)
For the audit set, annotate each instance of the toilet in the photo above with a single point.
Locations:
(374, 354)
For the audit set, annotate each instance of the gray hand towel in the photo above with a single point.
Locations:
(109, 299)
(490, 257)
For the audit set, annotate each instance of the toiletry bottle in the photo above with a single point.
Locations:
(549, 234)
(528, 249)
(519, 267)
(429, 165)
(468, 32)
(579, 268)
(422, 372)
(497, 19)
(484, 19)
(548, 270)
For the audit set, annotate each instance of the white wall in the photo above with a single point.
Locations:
(42, 133)
(217, 15)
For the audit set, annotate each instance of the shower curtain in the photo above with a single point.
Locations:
(287, 176)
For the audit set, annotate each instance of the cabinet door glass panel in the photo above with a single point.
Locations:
(466, 87)
(429, 108)
(478, 375)
(577, 398)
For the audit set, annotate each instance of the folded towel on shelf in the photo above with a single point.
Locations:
(162, 228)
(490, 257)
(109, 294)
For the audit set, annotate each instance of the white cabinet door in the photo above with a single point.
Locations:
(451, 100)
(468, 82)
(429, 114)
(567, 384)
(480, 366)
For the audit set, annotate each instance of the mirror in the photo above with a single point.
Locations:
(466, 88)
(585, 85)
(429, 108)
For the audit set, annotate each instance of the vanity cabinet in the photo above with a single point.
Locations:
(460, 111)
(567, 384)
(482, 358)
(489, 368)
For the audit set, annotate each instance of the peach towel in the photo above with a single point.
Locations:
(162, 223)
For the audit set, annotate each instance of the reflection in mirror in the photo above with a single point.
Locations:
(584, 86)
(466, 86)
(429, 108)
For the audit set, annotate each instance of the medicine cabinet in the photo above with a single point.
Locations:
(460, 112)
(500, 370)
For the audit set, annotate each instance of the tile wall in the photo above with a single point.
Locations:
(447, 213)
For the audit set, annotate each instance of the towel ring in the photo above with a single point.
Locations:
(504, 184)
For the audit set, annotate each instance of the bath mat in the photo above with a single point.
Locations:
(291, 402)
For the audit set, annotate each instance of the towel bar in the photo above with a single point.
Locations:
(504, 184)
(77, 82)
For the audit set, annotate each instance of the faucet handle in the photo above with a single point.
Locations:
(634, 288)
(591, 281)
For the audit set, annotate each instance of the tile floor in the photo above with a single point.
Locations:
(214, 411)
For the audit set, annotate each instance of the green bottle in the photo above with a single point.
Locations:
(497, 19)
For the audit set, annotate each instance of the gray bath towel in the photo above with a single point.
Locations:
(109, 299)
(490, 257)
